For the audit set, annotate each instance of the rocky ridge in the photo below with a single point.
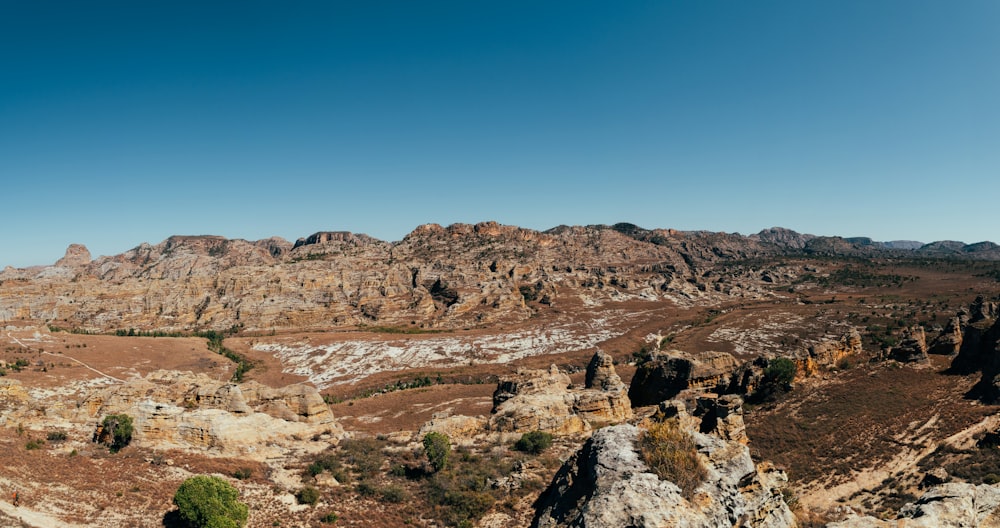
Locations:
(436, 276)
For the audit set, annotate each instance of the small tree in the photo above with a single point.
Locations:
(210, 502)
(438, 447)
(534, 442)
(777, 380)
(116, 431)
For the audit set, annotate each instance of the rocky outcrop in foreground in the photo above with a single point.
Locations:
(952, 505)
(608, 485)
(539, 400)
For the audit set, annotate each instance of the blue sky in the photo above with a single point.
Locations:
(124, 122)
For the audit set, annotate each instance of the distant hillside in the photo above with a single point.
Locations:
(456, 276)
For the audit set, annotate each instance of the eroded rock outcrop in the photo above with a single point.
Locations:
(172, 409)
(540, 400)
(668, 373)
(949, 505)
(608, 485)
(912, 346)
(949, 341)
(828, 353)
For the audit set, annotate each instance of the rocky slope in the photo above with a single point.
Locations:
(608, 484)
(436, 276)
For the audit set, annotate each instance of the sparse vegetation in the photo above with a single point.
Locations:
(777, 380)
(210, 502)
(534, 442)
(307, 495)
(672, 454)
(437, 447)
(115, 431)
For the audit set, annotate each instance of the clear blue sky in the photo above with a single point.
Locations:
(124, 122)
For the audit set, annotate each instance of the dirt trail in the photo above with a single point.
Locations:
(33, 518)
(18, 341)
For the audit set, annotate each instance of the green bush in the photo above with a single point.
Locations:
(329, 518)
(307, 495)
(116, 431)
(438, 448)
(210, 502)
(534, 442)
(56, 436)
(34, 444)
(394, 494)
(243, 473)
(777, 380)
(672, 454)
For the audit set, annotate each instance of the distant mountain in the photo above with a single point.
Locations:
(456, 276)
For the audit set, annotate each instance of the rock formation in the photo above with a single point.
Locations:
(539, 400)
(668, 373)
(607, 484)
(949, 342)
(949, 505)
(77, 255)
(172, 409)
(827, 353)
(912, 346)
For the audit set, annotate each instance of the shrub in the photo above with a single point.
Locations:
(534, 442)
(56, 436)
(116, 431)
(307, 495)
(210, 502)
(777, 380)
(672, 454)
(394, 494)
(243, 473)
(329, 518)
(34, 444)
(438, 447)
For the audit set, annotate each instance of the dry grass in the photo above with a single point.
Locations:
(672, 454)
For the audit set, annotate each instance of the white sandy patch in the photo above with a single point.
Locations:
(350, 361)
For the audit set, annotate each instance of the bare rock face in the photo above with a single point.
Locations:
(607, 485)
(77, 255)
(668, 373)
(949, 342)
(456, 427)
(949, 505)
(442, 277)
(181, 410)
(604, 398)
(12, 393)
(828, 353)
(539, 400)
(912, 346)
